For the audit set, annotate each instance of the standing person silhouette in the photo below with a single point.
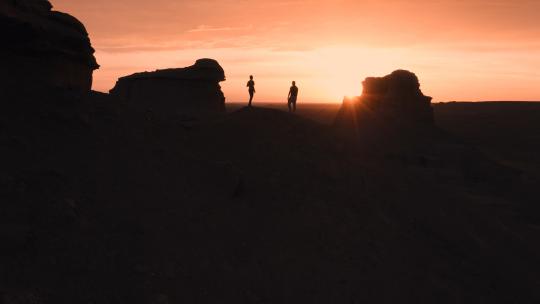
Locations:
(293, 94)
(251, 86)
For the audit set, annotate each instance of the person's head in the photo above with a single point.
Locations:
(294, 83)
(251, 77)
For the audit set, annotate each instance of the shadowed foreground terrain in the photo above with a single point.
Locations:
(105, 204)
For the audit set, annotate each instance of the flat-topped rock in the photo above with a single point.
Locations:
(392, 100)
(398, 97)
(190, 92)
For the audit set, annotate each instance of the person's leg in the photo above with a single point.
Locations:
(294, 106)
(250, 98)
(289, 105)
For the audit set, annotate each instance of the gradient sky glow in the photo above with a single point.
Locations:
(460, 49)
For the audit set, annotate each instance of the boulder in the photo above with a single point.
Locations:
(43, 48)
(191, 92)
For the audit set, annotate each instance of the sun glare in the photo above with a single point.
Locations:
(338, 74)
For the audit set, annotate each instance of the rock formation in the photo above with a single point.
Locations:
(395, 99)
(42, 47)
(190, 92)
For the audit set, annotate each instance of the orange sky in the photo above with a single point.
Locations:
(460, 49)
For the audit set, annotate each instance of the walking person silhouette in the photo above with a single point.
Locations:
(251, 86)
(293, 94)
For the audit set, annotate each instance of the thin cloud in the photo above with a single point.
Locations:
(207, 28)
